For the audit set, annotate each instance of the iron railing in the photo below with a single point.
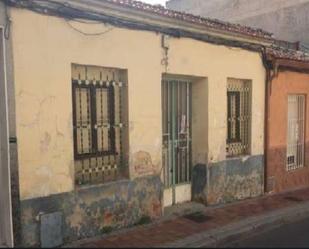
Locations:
(238, 117)
(296, 132)
(98, 126)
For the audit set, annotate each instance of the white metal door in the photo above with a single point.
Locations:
(177, 156)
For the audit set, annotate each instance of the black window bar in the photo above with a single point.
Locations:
(238, 117)
(233, 107)
(92, 124)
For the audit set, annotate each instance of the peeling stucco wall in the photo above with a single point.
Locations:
(235, 179)
(143, 165)
(229, 180)
(94, 210)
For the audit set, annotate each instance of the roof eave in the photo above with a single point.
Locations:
(168, 22)
(289, 63)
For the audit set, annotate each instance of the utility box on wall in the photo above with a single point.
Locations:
(51, 230)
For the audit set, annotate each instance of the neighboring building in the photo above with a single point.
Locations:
(122, 109)
(287, 19)
(287, 123)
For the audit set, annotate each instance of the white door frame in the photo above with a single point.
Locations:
(6, 224)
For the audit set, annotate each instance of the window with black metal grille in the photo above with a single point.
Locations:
(238, 117)
(98, 123)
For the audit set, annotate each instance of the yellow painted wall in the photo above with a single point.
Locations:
(44, 48)
(218, 63)
(199, 121)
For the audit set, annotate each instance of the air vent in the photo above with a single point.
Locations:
(270, 184)
(198, 217)
(294, 199)
(51, 230)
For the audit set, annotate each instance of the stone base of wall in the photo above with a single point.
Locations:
(235, 179)
(199, 183)
(91, 211)
(278, 178)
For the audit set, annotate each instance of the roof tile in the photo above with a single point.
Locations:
(211, 23)
(290, 54)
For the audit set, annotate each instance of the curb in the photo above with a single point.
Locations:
(231, 232)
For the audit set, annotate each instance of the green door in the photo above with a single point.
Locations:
(176, 110)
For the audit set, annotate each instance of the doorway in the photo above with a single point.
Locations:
(177, 140)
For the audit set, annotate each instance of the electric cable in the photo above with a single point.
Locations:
(87, 34)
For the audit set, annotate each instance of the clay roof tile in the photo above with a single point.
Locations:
(212, 23)
(289, 54)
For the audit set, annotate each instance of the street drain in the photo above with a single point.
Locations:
(197, 217)
(292, 198)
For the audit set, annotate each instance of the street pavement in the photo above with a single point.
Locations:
(291, 235)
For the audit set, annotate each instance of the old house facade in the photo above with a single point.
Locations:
(124, 108)
(287, 121)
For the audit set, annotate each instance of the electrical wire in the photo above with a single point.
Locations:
(87, 34)
(66, 11)
(86, 21)
(7, 28)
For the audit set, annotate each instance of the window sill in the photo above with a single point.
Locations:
(292, 171)
(117, 180)
(95, 155)
(239, 157)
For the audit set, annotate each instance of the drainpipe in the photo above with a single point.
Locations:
(266, 117)
(268, 82)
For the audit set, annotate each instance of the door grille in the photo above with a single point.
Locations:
(176, 110)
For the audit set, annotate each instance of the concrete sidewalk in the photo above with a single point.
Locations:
(209, 226)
